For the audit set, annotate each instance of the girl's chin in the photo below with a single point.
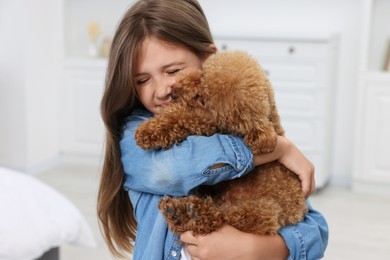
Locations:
(160, 108)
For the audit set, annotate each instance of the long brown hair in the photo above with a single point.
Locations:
(181, 22)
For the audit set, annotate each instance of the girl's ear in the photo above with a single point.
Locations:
(212, 47)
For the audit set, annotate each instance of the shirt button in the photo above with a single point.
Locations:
(174, 253)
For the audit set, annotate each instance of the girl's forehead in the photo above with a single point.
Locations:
(155, 53)
(155, 44)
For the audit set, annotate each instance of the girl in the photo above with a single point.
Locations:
(155, 41)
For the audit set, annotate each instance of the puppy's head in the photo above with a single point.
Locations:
(187, 90)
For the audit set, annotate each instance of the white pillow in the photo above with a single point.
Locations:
(35, 218)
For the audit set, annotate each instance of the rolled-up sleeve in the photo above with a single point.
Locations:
(178, 170)
(307, 239)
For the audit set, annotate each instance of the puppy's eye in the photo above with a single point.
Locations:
(174, 95)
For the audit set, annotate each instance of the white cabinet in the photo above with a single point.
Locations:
(81, 130)
(78, 15)
(302, 74)
(81, 127)
(372, 172)
(372, 164)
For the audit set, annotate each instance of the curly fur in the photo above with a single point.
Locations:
(231, 95)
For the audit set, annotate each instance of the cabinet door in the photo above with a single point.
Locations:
(373, 160)
(81, 127)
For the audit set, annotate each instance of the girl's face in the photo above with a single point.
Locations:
(159, 65)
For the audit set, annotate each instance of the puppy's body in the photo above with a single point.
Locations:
(231, 95)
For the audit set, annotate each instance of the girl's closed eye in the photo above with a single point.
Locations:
(173, 71)
(142, 81)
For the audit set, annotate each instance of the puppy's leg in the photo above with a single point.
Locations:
(254, 216)
(261, 140)
(173, 126)
(275, 119)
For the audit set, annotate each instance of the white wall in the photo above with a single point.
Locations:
(305, 17)
(12, 102)
(29, 63)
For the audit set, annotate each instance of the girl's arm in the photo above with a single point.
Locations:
(291, 157)
(305, 240)
(178, 170)
(201, 160)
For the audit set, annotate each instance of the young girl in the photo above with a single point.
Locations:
(156, 41)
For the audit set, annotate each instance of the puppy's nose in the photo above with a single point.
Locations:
(173, 94)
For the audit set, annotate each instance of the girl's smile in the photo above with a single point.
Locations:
(159, 65)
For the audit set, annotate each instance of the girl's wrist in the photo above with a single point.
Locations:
(284, 147)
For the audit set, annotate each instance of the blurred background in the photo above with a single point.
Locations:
(328, 61)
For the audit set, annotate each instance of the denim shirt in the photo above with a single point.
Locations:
(149, 175)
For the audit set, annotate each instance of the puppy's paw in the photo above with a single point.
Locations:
(149, 136)
(145, 138)
(176, 213)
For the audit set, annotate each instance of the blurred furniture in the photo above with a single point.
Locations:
(372, 164)
(36, 220)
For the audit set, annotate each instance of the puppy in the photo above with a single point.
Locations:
(230, 95)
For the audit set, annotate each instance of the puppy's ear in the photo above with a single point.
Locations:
(197, 77)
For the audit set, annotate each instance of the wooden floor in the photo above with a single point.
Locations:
(359, 224)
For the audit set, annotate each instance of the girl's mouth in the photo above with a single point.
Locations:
(166, 104)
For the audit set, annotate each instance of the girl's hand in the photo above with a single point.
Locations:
(291, 157)
(229, 243)
(294, 160)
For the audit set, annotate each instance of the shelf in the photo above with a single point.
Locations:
(77, 16)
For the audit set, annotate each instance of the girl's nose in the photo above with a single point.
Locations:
(164, 88)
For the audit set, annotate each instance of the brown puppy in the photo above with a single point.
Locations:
(231, 95)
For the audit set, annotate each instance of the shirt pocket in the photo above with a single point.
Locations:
(224, 169)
